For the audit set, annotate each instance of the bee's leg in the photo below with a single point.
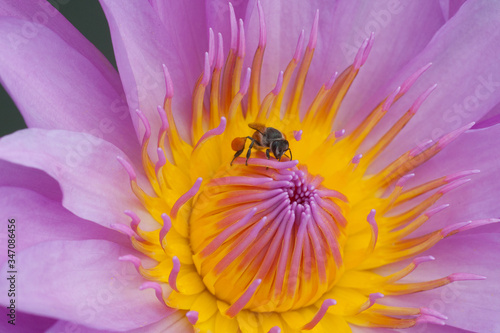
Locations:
(238, 145)
(238, 153)
(268, 154)
(249, 149)
(291, 158)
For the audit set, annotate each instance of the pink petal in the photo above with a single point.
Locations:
(142, 45)
(15, 175)
(84, 282)
(95, 187)
(60, 88)
(25, 322)
(490, 119)
(47, 14)
(48, 220)
(465, 67)
(450, 7)
(186, 24)
(174, 323)
(470, 305)
(217, 12)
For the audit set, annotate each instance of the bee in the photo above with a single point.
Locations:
(263, 137)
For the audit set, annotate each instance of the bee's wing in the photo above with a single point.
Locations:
(258, 127)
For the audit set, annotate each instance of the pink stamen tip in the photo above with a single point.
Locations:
(320, 314)
(167, 224)
(313, 37)
(416, 105)
(478, 223)
(297, 135)
(133, 259)
(465, 277)
(161, 160)
(246, 82)
(211, 46)
(413, 78)
(424, 319)
(339, 134)
(453, 229)
(359, 56)
(220, 53)
(268, 163)
(163, 118)
(168, 83)
(371, 217)
(185, 197)
(262, 23)
(206, 71)
(213, 132)
(145, 122)
(128, 167)
(135, 219)
(123, 229)
(436, 210)
(298, 49)
(279, 84)
(356, 159)
(368, 48)
(434, 313)
(453, 185)
(373, 224)
(461, 174)
(331, 81)
(157, 288)
(192, 316)
(240, 303)
(241, 39)
(420, 260)
(403, 180)
(448, 138)
(172, 278)
(234, 28)
(275, 329)
(390, 99)
(134, 224)
(420, 148)
(373, 298)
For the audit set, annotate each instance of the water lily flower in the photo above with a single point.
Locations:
(158, 198)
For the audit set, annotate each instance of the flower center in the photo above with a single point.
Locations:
(277, 225)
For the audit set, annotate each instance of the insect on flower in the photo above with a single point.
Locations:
(263, 137)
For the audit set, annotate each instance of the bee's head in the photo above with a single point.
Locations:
(278, 147)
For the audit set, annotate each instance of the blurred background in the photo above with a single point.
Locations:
(87, 16)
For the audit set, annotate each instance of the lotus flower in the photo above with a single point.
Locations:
(228, 179)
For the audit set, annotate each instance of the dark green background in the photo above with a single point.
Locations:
(88, 17)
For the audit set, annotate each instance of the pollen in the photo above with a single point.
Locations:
(288, 245)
